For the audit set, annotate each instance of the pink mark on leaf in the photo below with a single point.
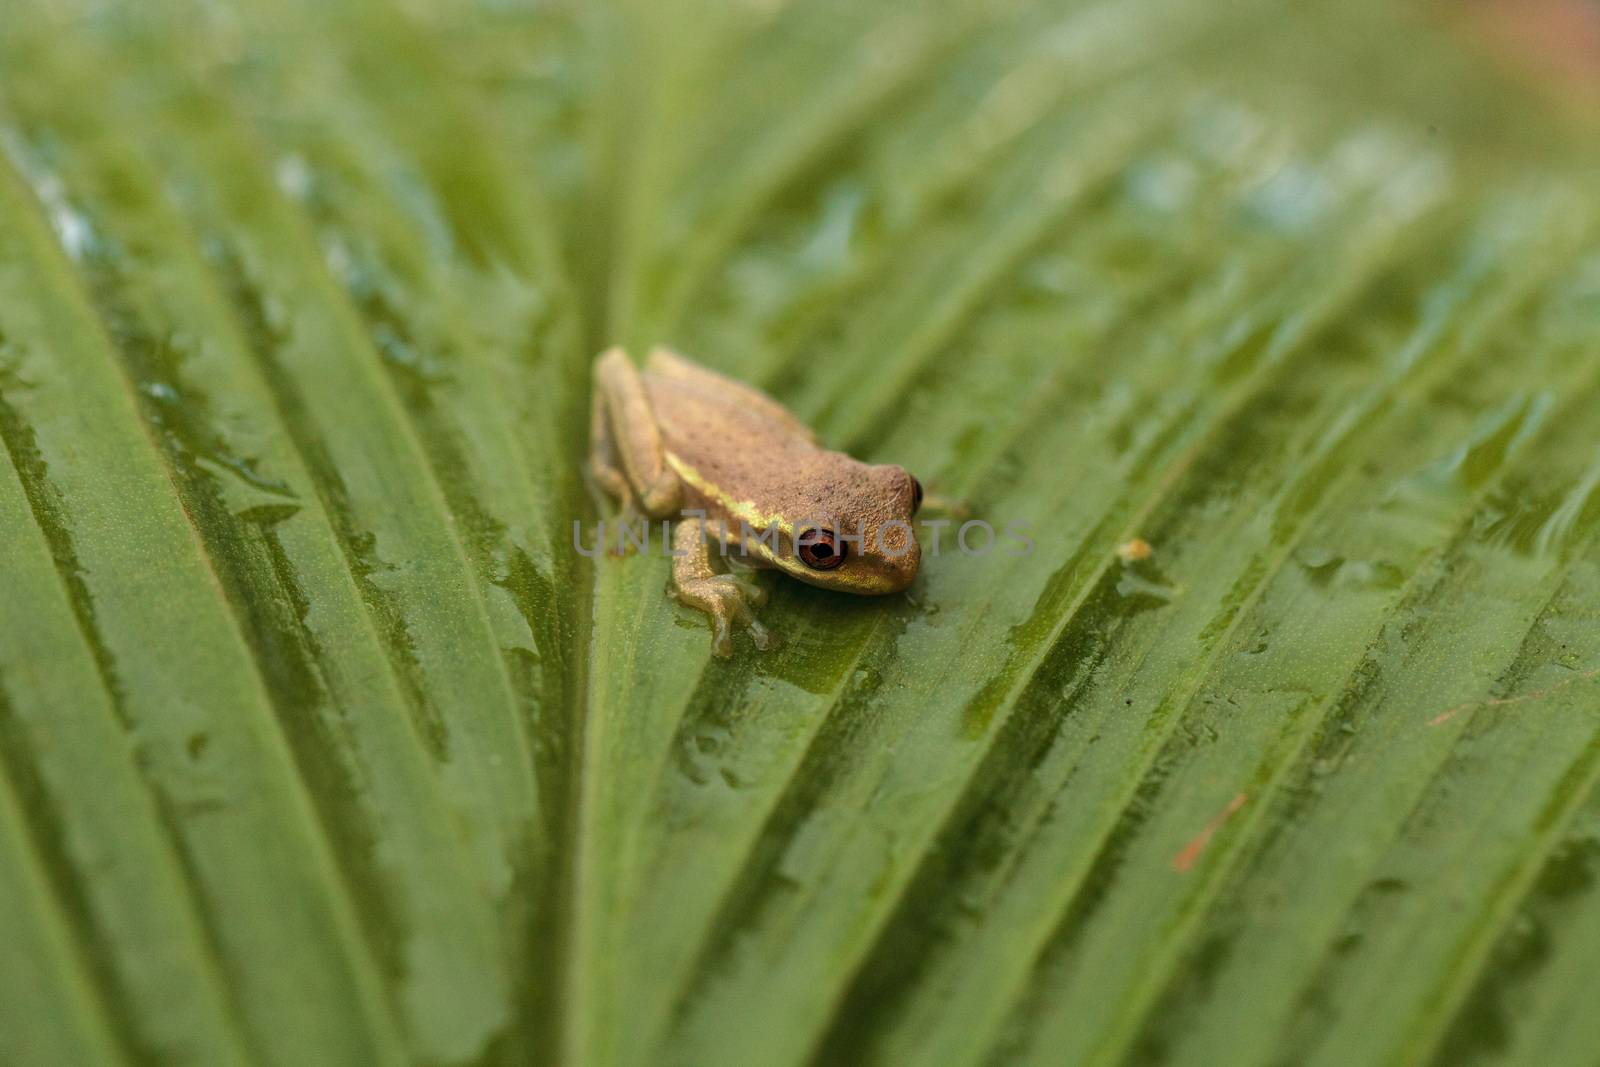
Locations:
(1187, 855)
(1499, 702)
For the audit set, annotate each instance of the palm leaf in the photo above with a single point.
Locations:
(320, 742)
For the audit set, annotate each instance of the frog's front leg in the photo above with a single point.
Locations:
(699, 585)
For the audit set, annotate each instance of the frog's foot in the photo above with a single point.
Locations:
(948, 506)
(701, 585)
(606, 484)
(628, 532)
(726, 600)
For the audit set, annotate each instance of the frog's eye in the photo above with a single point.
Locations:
(916, 496)
(821, 550)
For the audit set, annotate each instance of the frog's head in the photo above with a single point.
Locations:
(861, 539)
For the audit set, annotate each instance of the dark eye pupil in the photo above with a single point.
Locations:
(820, 550)
(916, 495)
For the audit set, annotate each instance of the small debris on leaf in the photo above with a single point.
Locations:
(1134, 551)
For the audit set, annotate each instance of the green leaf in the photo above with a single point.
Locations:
(321, 741)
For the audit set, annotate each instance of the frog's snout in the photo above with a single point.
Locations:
(906, 572)
(898, 566)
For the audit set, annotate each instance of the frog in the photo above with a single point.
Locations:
(741, 480)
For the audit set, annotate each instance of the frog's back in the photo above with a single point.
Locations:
(729, 433)
(678, 379)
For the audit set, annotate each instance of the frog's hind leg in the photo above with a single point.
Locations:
(630, 451)
(607, 482)
(605, 470)
(723, 597)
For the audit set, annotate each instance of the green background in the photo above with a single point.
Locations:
(320, 745)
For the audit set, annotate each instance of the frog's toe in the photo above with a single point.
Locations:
(726, 600)
(948, 506)
(628, 533)
(737, 596)
(721, 636)
(760, 635)
(749, 594)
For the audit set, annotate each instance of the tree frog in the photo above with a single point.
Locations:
(741, 473)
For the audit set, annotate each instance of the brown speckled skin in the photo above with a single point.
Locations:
(742, 456)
